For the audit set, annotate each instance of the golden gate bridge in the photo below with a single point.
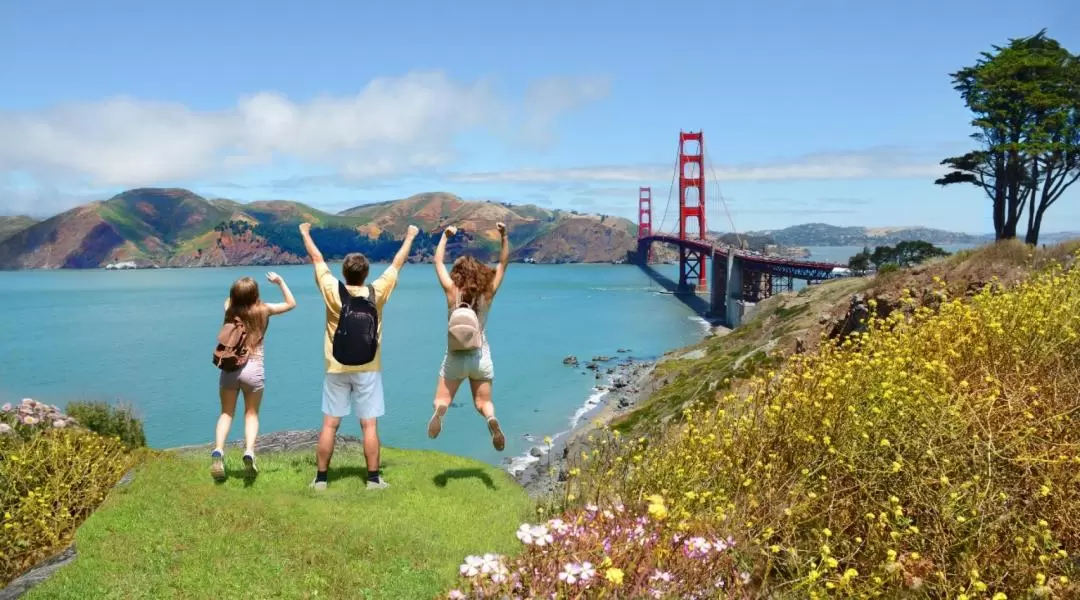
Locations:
(740, 277)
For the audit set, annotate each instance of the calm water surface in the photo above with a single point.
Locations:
(146, 337)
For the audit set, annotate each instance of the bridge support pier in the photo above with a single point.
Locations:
(733, 305)
(726, 298)
(718, 291)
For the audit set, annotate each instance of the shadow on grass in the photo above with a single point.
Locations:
(443, 478)
(336, 473)
(242, 474)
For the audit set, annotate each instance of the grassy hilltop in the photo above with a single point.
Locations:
(174, 533)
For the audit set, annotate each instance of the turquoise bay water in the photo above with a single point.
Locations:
(146, 337)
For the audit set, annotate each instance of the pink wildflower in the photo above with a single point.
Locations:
(534, 535)
(471, 566)
(571, 573)
(698, 547)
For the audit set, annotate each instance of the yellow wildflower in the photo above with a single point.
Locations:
(614, 575)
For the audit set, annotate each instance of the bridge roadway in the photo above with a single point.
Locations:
(739, 278)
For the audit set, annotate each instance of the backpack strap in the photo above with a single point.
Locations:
(461, 301)
(343, 295)
(371, 295)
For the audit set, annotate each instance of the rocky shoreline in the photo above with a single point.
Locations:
(625, 383)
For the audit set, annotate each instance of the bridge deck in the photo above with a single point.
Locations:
(802, 269)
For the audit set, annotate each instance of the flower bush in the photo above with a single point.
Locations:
(30, 417)
(611, 552)
(53, 474)
(938, 453)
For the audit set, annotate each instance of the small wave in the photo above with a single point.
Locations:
(706, 327)
(590, 403)
(518, 464)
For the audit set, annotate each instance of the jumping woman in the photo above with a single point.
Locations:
(244, 302)
(470, 287)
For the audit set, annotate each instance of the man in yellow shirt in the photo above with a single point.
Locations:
(354, 386)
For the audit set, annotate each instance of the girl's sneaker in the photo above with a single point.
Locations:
(434, 426)
(497, 438)
(249, 465)
(217, 466)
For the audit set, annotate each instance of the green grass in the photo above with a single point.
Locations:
(174, 533)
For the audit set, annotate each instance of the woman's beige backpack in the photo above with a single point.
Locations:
(464, 333)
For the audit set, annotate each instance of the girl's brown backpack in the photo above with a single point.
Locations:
(231, 353)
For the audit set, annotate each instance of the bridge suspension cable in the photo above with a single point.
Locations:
(671, 189)
(720, 197)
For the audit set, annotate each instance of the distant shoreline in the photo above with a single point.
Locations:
(305, 264)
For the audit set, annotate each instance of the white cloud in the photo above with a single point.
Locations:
(547, 99)
(393, 125)
(39, 201)
(875, 163)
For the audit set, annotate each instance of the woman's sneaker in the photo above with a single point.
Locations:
(434, 426)
(497, 438)
(217, 466)
(249, 465)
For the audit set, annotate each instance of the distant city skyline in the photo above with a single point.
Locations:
(835, 112)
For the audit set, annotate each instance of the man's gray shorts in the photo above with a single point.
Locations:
(345, 392)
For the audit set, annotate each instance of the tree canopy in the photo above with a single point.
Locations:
(904, 254)
(1025, 101)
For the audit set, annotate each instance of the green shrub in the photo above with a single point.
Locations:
(49, 484)
(110, 421)
(889, 268)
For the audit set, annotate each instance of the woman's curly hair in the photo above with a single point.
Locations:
(473, 279)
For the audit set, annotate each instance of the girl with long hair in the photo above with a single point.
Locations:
(244, 303)
(472, 284)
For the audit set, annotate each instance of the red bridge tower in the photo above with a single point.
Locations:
(692, 209)
(645, 219)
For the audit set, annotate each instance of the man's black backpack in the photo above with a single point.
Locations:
(356, 339)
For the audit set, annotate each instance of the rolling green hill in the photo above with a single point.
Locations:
(820, 234)
(11, 225)
(158, 227)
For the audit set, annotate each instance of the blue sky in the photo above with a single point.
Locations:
(824, 111)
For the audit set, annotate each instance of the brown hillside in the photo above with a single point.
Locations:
(77, 238)
(433, 211)
(583, 239)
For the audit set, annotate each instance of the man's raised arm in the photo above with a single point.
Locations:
(406, 247)
(309, 244)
